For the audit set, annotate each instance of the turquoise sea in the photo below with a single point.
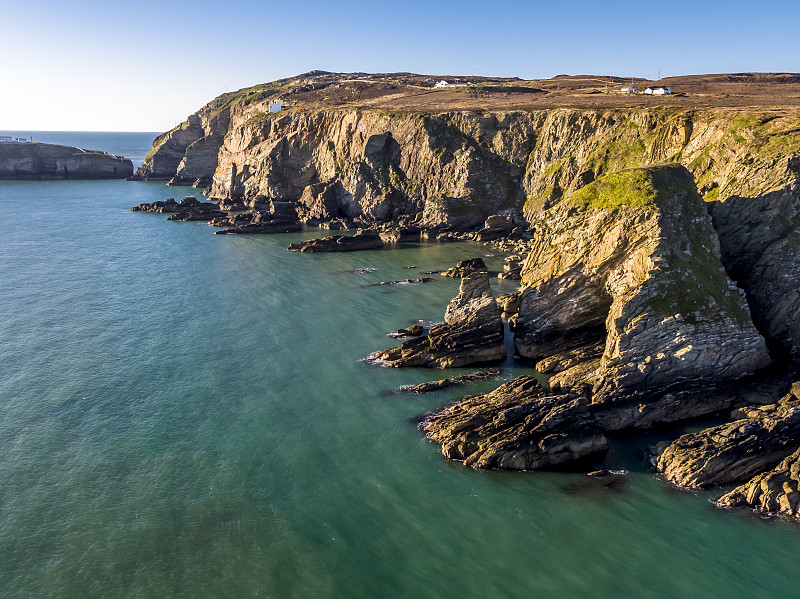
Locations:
(188, 415)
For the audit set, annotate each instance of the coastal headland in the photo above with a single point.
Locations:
(656, 240)
(21, 160)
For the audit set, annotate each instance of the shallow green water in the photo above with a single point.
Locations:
(187, 415)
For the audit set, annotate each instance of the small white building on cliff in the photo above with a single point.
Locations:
(275, 106)
(658, 91)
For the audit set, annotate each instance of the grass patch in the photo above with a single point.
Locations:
(638, 188)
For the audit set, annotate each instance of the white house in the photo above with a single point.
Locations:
(275, 106)
(628, 89)
(4, 138)
(442, 83)
(658, 91)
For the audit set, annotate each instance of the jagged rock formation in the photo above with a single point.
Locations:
(632, 259)
(771, 493)
(472, 332)
(48, 161)
(517, 426)
(735, 451)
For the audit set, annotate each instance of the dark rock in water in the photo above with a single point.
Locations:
(279, 218)
(431, 272)
(772, 493)
(393, 234)
(188, 209)
(406, 281)
(263, 228)
(428, 387)
(472, 332)
(443, 383)
(364, 239)
(517, 426)
(361, 271)
(415, 330)
(735, 451)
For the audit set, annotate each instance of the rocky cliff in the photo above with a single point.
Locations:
(49, 161)
(632, 260)
(453, 169)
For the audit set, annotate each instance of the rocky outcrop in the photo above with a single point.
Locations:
(364, 239)
(449, 382)
(187, 209)
(632, 260)
(472, 332)
(771, 493)
(38, 161)
(735, 451)
(517, 426)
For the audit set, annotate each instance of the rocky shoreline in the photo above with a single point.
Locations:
(657, 254)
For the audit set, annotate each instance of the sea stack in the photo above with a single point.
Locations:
(471, 334)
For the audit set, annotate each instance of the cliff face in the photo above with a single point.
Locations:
(632, 260)
(451, 168)
(48, 161)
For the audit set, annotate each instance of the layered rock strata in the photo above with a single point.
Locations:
(735, 451)
(517, 426)
(772, 493)
(472, 332)
(632, 261)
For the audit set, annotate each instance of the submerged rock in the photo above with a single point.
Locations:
(517, 426)
(472, 332)
(443, 383)
(415, 330)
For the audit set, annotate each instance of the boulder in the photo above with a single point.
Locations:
(472, 332)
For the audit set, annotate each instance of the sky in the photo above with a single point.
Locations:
(145, 66)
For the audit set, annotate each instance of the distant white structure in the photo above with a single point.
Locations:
(20, 140)
(444, 83)
(628, 89)
(6, 138)
(275, 106)
(658, 91)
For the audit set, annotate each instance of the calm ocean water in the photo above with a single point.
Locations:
(187, 415)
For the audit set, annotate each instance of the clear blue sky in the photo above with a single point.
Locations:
(143, 66)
